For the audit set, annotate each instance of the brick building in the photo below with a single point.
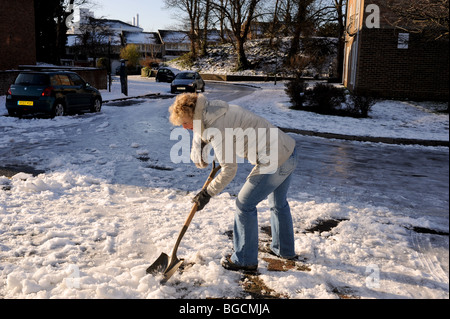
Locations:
(17, 34)
(390, 62)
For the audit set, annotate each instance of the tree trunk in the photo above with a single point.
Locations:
(242, 62)
(205, 29)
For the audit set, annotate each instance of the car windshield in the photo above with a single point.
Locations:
(32, 79)
(189, 76)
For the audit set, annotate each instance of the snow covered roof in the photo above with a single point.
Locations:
(142, 37)
(170, 36)
(117, 25)
(214, 35)
(74, 39)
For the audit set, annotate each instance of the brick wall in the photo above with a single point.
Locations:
(6, 79)
(96, 77)
(419, 72)
(17, 33)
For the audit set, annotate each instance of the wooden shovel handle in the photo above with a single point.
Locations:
(211, 176)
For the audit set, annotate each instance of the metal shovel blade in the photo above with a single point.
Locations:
(173, 267)
(168, 266)
(162, 266)
(159, 266)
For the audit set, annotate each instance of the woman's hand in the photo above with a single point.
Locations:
(202, 198)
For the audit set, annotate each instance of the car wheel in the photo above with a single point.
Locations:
(97, 105)
(58, 109)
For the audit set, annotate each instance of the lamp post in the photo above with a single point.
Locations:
(109, 64)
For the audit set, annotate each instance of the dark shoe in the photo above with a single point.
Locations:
(265, 248)
(229, 265)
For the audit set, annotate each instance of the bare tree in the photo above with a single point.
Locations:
(240, 14)
(419, 16)
(191, 7)
(302, 25)
(51, 27)
(312, 15)
(93, 37)
(334, 13)
(281, 23)
(275, 23)
(206, 14)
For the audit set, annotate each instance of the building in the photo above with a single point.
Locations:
(384, 60)
(176, 43)
(91, 38)
(17, 39)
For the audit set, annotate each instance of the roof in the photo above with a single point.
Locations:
(142, 38)
(47, 72)
(74, 39)
(120, 25)
(170, 36)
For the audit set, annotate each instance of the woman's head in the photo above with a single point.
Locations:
(182, 110)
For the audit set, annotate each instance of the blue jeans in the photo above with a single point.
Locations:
(257, 188)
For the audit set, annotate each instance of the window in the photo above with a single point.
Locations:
(76, 80)
(64, 80)
(31, 79)
(403, 41)
(55, 80)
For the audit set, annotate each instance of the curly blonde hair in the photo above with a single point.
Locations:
(183, 106)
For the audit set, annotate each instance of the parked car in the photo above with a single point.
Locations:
(187, 81)
(166, 74)
(53, 92)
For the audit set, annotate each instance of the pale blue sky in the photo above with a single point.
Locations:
(152, 16)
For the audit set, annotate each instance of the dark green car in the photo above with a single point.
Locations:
(56, 93)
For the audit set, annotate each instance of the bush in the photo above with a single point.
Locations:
(102, 63)
(145, 72)
(325, 99)
(328, 99)
(186, 61)
(361, 104)
(131, 54)
(295, 89)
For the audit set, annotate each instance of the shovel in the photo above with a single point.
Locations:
(169, 265)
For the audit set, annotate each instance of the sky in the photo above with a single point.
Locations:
(152, 15)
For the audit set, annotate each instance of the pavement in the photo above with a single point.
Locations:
(385, 140)
(10, 171)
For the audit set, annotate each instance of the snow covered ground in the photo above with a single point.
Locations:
(110, 201)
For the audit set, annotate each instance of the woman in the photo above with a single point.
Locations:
(233, 133)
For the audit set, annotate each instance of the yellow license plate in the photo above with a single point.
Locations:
(27, 103)
(181, 88)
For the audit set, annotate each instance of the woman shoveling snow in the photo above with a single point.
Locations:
(235, 133)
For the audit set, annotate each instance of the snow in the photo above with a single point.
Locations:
(141, 38)
(168, 36)
(111, 201)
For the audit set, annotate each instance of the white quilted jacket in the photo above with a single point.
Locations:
(236, 134)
